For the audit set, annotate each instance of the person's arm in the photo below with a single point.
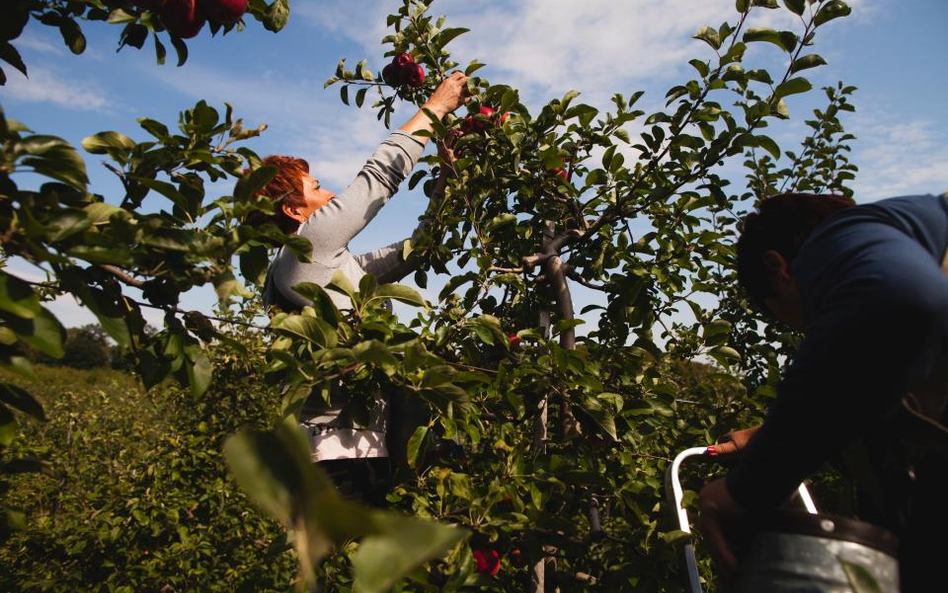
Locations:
(330, 228)
(386, 264)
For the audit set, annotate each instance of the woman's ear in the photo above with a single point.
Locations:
(293, 212)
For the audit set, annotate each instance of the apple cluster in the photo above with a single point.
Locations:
(490, 118)
(403, 71)
(186, 18)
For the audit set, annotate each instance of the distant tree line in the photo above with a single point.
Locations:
(88, 347)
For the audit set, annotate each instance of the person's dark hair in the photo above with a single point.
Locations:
(781, 223)
(286, 188)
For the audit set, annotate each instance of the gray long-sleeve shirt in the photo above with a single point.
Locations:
(329, 230)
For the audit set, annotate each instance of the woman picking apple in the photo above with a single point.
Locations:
(355, 456)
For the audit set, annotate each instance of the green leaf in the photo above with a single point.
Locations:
(199, 369)
(808, 61)
(340, 283)
(447, 35)
(322, 302)
(709, 35)
(112, 314)
(400, 545)
(17, 297)
(254, 263)
(796, 6)
(309, 328)
(102, 142)
(20, 399)
(11, 56)
(251, 185)
(860, 578)
(277, 16)
(43, 332)
(66, 224)
(275, 470)
(742, 5)
(786, 40)
(72, 35)
(831, 10)
(725, 355)
(375, 352)
(166, 189)
(398, 292)
(180, 48)
(768, 144)
(416, 445)
(793, 86)
(473, 67)
(594, 408)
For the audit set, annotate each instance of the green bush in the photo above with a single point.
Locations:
(137, 496)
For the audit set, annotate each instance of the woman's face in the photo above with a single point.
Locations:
(315, 197)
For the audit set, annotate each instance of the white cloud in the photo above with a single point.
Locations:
(898, 157)
(48, 86)
(30, 40)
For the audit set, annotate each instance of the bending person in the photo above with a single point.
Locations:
(355, 456)
(869, 383)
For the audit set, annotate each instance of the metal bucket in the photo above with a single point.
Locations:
(801, 553)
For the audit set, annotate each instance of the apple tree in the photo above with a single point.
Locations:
(542, 446)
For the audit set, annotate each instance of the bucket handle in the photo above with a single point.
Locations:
(691, 563)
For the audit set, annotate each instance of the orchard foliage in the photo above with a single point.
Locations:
(545, 447)
(140, 19)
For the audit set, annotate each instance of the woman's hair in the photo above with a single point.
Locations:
(782, 223)
(286, 188)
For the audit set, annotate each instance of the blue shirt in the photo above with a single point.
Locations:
(875, 313)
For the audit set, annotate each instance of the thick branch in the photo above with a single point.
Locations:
(122, 275)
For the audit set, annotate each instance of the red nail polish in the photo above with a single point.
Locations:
(711, 450)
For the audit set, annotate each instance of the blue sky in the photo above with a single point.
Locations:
(895, 51)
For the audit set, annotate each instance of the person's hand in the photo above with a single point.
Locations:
(717, 509)
(734, 442)
(450, 94)
(446, 147)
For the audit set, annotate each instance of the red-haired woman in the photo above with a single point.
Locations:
(355, 456)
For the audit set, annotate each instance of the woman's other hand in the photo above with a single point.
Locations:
(446, 147)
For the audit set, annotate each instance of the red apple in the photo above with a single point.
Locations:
(504, 117)
(488, 561)
(476, 124)
(560, 172)
(514, 342)
(390, 75)
(412, 74)
(182, 18)
(224, 11)
(403, 59)
(517, 558)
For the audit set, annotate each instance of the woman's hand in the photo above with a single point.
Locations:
(735, 442)
(446, 147)
(717, 508)
(450, 94)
